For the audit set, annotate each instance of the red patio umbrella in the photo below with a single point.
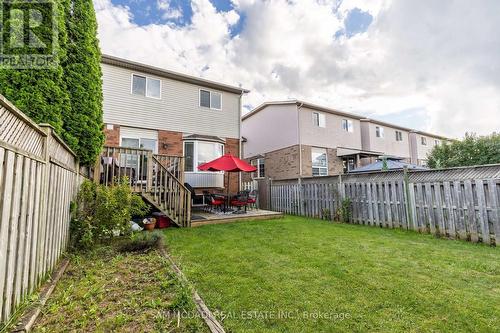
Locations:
(228, 163)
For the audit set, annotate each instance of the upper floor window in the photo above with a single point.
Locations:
(318, 119)
(259, 164)
(347, 125)
(210, 99)
(436, 142)
(146, 86)
(423, 140)
(399, 136)
(319, 162)
(379, 132)
(198, 152)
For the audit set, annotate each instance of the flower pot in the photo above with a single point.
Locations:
(150, 225)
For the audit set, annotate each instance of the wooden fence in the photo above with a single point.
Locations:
(459, 203)
(38, 180)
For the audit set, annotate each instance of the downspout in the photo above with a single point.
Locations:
(300, 142)
(239, 135)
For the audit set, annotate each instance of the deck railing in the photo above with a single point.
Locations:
(159, 178)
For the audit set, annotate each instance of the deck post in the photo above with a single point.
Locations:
(149, 180)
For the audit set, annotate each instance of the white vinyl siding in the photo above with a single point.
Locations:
(178, 110)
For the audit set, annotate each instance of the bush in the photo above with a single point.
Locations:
(100, 212)
(142, 241)
(344, 212)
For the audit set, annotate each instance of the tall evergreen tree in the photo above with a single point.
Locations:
(82, 73)
(38, 92)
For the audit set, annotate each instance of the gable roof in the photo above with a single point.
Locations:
(336, 112)
(124, 63)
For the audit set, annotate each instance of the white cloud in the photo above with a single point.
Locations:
(169, 11)
(436, 56)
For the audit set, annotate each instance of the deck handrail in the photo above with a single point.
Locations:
(159, 178)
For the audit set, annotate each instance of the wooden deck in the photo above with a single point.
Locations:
(200, 218)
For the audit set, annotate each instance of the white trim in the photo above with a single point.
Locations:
(146, 87)
(210, 92)
(319, 167)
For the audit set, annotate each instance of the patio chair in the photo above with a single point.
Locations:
(240, 200)
(215, 201)
(252, 199)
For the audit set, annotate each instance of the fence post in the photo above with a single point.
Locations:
(407, 197)
(270, 200)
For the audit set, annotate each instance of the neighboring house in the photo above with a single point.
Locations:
(290, 139)
(172, 114)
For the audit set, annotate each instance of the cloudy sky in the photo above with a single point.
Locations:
(426, 64)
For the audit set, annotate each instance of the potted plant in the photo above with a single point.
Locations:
(149, 224)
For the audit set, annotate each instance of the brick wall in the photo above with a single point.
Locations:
(112, 136)
(170, 143)
(232, 147)
(282, 163)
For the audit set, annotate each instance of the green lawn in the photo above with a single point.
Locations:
(305, 275)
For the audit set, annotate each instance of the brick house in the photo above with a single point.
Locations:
(172, 114)
(292, 139)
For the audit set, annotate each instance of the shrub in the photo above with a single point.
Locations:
(142, 241)
(102, 212)
(344, 212)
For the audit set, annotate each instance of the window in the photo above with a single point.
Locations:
(436, 142)
(319, 162)
(198, 152)
(399, 136)
(423, 140)
(319, 119)
(347, 125)
(210, 99)
(146, 86)
(259, 164)
(379, 132)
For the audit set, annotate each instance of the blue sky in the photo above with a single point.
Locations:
(148, 12)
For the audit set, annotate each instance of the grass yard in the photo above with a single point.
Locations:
(305, 275)
(110, 291)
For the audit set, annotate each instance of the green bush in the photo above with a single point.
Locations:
(344, 212)
(102, 211)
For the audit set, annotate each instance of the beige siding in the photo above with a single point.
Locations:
(271, 129)
(423, 151)
(332, 135)
(177, 110)
(388, 144)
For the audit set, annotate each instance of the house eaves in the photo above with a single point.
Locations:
(132, 65)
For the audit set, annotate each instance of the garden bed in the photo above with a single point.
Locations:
(108, 290)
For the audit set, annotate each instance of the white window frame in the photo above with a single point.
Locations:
(423, 141)
(147, 78)
(211, 92)
(256, 163)
(379, 132)
(195, 154)
(319, 167)
(399, 136)
(349, 125)
(321, 119)
(436, 142)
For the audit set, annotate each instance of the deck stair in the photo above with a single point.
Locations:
(159, 179)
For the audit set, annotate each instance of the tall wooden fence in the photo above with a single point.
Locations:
(38, 180)
(456, 203)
